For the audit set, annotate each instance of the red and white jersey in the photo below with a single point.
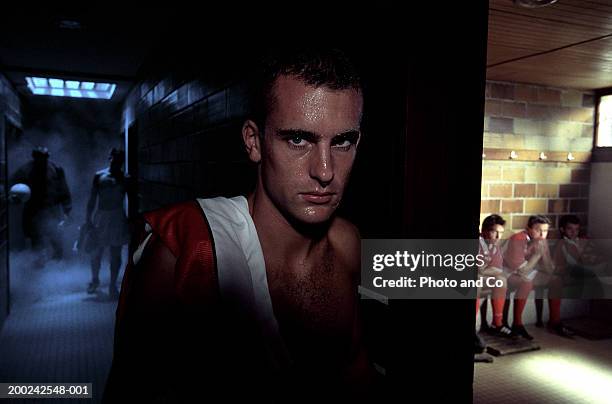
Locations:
(518, 251)
(492, 255)
(227, 249)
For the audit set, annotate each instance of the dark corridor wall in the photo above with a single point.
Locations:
(187, 120)
(10, 118)
(79, 134)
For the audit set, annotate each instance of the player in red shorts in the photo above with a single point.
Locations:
(528, 260)
(491, 233)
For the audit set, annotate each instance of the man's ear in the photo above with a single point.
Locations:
(250, 136)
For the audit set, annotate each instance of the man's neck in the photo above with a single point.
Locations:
(283, 239)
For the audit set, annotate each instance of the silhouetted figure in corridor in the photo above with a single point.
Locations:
(108, 223)
(49, 205)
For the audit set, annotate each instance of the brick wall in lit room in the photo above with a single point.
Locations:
(537, 147)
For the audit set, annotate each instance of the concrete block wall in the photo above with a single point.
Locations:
(527, 117)
(188, 138)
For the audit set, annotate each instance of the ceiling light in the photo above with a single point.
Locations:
(70, 88)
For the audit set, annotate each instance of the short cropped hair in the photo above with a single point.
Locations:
(491, 221)
(538, 219)
(332, 68)
(566, 219)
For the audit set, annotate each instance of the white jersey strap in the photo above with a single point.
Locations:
(242, 270)
(138, 253)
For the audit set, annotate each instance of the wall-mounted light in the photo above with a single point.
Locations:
(543, 156)
(570, 157)
(513, 155)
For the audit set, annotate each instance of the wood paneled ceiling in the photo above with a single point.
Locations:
(566, 44)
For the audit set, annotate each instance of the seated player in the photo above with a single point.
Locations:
(573, 249)
(550, 276)
(576, 261)
(491, 233)
(527, 257)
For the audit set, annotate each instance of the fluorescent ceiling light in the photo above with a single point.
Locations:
(39, 82)
(70, 88)
(56, 83)
(73, 85)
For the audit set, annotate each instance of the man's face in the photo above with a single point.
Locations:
(494, 233)
(538, 231)
(309, 145)
(571, 230)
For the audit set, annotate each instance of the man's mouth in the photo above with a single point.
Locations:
(318, 198)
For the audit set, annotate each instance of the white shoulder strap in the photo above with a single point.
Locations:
(242, 270)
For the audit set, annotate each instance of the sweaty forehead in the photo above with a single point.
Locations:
(298, 105)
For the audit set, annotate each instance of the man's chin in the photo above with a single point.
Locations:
(315, 215)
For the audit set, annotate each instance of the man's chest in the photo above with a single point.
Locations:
(313, 302)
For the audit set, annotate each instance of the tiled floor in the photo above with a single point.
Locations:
(56, 332)
(563, 371)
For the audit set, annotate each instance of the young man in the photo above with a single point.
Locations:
(550, 276)
(256, 297)
(568, 250)
(527, 260)
(49, 206)
(575, 261)
(492, 230)
(571, 250)
(108, 223)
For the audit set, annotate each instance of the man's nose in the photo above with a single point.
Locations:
(321, 165)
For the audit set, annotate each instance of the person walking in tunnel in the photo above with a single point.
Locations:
(256, 297)
(108, 226)
(49, 206)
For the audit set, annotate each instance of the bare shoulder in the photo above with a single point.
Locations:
(346, 242)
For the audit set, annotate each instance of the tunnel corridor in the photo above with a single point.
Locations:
(56, 331)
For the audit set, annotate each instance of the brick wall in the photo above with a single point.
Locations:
(534, 118)
(188, 135)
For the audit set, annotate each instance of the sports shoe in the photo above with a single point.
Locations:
(521, 331)
(561, 330)
(483, 357)
(502, 331)
(91, 288)
(479, 344)
(484, 327)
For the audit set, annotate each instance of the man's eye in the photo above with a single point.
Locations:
(297, 141)
(343, 144)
